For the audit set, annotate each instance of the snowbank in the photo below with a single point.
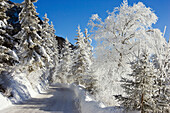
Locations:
(21, 88)
(88, 105)
(25, 86)
(4, 102)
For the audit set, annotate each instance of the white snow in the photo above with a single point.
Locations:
(60, 98)
(88, 105)
(120, 37)
(2, 24)
(95, 16)
(24, 86)
(4, 102)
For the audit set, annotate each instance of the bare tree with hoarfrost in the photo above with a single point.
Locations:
(120, 32)
(118, 37)
(30, 50)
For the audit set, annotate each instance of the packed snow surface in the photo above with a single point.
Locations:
(62, 98)
(56, 100)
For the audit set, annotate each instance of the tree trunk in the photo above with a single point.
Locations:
(142, 111)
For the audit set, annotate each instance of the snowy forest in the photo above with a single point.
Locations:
(129, 69)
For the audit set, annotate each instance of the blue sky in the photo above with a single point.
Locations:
(68, 14)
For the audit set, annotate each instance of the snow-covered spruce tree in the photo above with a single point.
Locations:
(139, 86)
(47, 39)
(79, 67)
(50, 45)
(3, 9)
(82, 61)
(162, 92)
(54, 55)
(84, 49)
(89, 50)
(90, 81)
(160, 59)
(8, 56)
(54, 70)
(65, 68)
(30, 50)
(52, 30)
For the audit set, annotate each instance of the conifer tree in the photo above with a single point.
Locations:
(65, 70)
(89, 48)
(8, 56)
(47, 40)
(162, 92)
(55, 60)
(3, 9)
(139, 86)
(79, 60)
(47, 43)
(83, 60)
(55, 54)
(52, 30)
(30, 50)
(50, 44)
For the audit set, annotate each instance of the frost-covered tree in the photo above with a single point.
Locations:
(118, 37)
(89, 49)
(52, 30)
(50, 44)
(139, 86)
(47, 40)
(3, 9)
(119, 33)
(65, 70)
(79, 69)
(8, 56)
(84, 50)
(160, 59)
(55, 54)
(82, 61)
(162, 93)
(30, 50)
(54, 70)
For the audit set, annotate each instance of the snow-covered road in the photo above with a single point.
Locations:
(55, 100)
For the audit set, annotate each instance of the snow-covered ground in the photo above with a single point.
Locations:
(4, 102)
(57, 99)
(89, 105)
(23, 86)
(61, 98)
